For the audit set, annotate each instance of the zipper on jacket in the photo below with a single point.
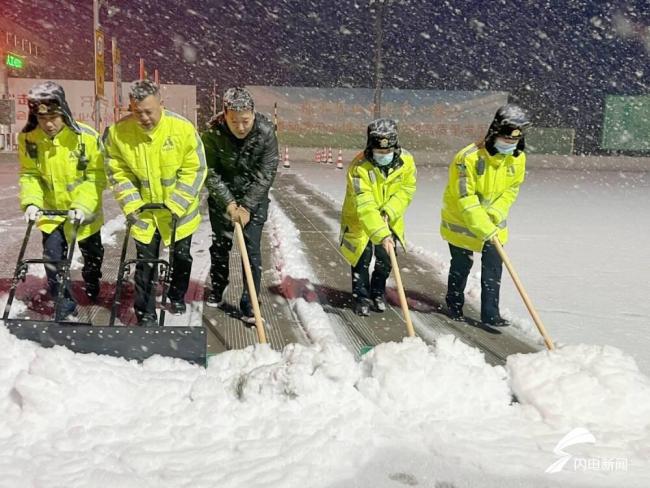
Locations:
(148, 172)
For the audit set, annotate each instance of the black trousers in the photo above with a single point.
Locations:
(56, 247)
(222, 236)
(146, 275)
(363, 286)
(491, 268)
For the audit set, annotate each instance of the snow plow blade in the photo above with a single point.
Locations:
(139, 343)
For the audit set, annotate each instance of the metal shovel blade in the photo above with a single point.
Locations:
(139, 343)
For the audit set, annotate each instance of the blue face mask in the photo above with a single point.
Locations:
(383, 159)
(505, 148)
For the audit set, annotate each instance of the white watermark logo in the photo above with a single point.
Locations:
(581, 435)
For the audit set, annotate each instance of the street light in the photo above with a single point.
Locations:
(379, 34)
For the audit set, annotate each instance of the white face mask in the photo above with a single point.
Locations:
(504, 147)
(382, 159)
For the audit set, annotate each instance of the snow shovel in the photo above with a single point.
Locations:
(241, 244)
(22, 267)
(125, 264)
(522, 292)
(139, 343)
(410, 332)
(402, 296)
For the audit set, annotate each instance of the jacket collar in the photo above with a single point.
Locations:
(149, 135)
(56, 140)
(494, 160)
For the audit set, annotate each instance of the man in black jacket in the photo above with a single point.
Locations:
(242, 157)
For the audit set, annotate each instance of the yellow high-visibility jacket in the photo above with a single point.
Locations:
(49, 177)
(479, 193)
(369, 194)
(165, 165)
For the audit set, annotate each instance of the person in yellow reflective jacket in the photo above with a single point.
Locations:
(62, 168)
(156, 156)
(380, 186)
(484, 180)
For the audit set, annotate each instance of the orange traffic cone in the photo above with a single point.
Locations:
(323, 158)
(317, 156)
(329, 157)
(286, 164)
(339, 160)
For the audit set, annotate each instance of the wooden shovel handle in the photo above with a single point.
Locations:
(259, 323)
(522, 292)
(402, 296)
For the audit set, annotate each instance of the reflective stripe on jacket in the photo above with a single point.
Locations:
(480, 190)
(369, 194)
(49, 177)
(165, 165)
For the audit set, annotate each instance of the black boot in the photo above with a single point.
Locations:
(92, 290)
(379, 304)
(498, 322)
(362, 308)
(455, 313)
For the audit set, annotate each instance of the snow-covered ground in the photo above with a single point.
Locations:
(577, 240)
(407, 414)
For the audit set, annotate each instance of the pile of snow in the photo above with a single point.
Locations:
(598, 387)
(448, 381)
(18, 307)
(296, 278)
(111, 228)
(314, 416)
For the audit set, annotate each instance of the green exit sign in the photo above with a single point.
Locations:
(14, 61)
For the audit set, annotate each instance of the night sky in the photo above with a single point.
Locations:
(557, 58)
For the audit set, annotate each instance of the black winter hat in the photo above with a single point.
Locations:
(510, 121)
(48, 98)
(238, 99)
(382, 134)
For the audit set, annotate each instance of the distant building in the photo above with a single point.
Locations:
(21, 55)
(180, 99)
(21, 52)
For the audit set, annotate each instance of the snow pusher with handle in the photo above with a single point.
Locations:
(139, 343)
